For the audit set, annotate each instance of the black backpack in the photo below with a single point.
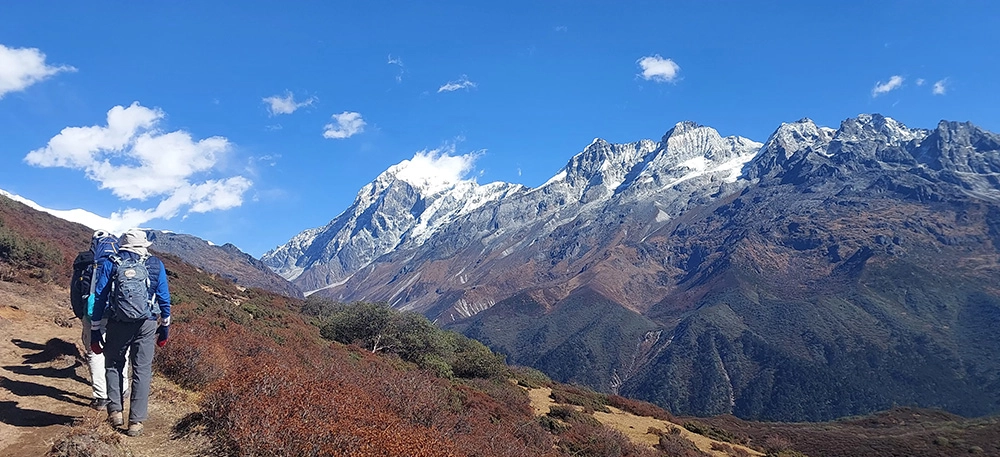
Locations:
(102, 245)
(79, 286)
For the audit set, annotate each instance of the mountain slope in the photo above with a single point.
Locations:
(826, 272)
(226, 260)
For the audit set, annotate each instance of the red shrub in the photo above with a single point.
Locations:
(639, 408)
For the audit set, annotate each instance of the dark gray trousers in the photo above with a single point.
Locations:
(138, 340)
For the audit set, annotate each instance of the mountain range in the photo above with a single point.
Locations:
(822, 273)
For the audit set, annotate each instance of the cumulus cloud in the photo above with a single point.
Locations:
(436, 168)
(277, 105)
(344, 125)
(135, 160)
(895, 82)
(460, 83)
(22, 67)
(920, 81)
(940, 88)
(561, 28)
(658, 69)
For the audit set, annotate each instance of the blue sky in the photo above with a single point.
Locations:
(250, 124)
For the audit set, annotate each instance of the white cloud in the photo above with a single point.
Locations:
(22, 67)
(344, 125)
(461, 83)
(561, 28)
(285, 105)
(136, 160)
(920, 82)
(940, 88)
(658, 69)
(895, 82)
(402, 68)
(436, 169)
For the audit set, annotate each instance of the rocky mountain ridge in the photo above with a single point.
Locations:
(822, 273)
(391, 216)
(226, 260)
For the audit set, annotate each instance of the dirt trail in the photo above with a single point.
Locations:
(45, 383)
(632, 426)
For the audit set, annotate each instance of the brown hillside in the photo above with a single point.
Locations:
(246, 373)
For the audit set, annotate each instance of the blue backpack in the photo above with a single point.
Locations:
(102, 245)
(130, 300)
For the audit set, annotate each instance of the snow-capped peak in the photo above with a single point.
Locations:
(688, 139)
(799, 135)
(866, 125)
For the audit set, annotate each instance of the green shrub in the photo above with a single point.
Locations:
(381, 329)
(571, 415)
(712, 432)
(580, 396)
(19, 251)
(530, 378)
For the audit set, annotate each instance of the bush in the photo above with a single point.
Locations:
(473, 359)
(194, 357)
(639, 408)
(344, 401)
(712, 432)
(33, 255)
(716, 446)
(530, 378)
(580, 396)
(589, 440)
(675, 445)
(379, 328)
(571, 415)
(774, 444)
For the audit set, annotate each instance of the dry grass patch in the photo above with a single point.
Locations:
(642, 430)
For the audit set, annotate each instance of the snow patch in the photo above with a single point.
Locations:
(561, 176)
(338, 283)
(80, 216)
(404, 286)
(695, 163)
(468, 309)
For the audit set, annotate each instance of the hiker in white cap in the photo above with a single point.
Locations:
(132, 286)
(102, 245)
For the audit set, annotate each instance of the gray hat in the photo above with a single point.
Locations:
(134, 238)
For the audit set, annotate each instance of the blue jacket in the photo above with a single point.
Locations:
(157, 284)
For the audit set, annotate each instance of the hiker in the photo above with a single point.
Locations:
(132, 288)
(102, 245)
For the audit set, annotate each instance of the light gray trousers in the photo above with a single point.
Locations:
(96, 363)
(135, 341)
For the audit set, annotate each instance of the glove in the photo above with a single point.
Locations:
(90, 305)
(96, 342)
(162, 333)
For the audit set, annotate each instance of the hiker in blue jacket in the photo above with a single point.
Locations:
(102, 244)
(137, 321)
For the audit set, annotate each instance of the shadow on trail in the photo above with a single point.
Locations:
(10, 414)
(31, 389)
(50, 351)
(49, 372)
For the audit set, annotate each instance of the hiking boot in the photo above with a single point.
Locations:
(134, 429)
(99, 403)
(115, 419)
